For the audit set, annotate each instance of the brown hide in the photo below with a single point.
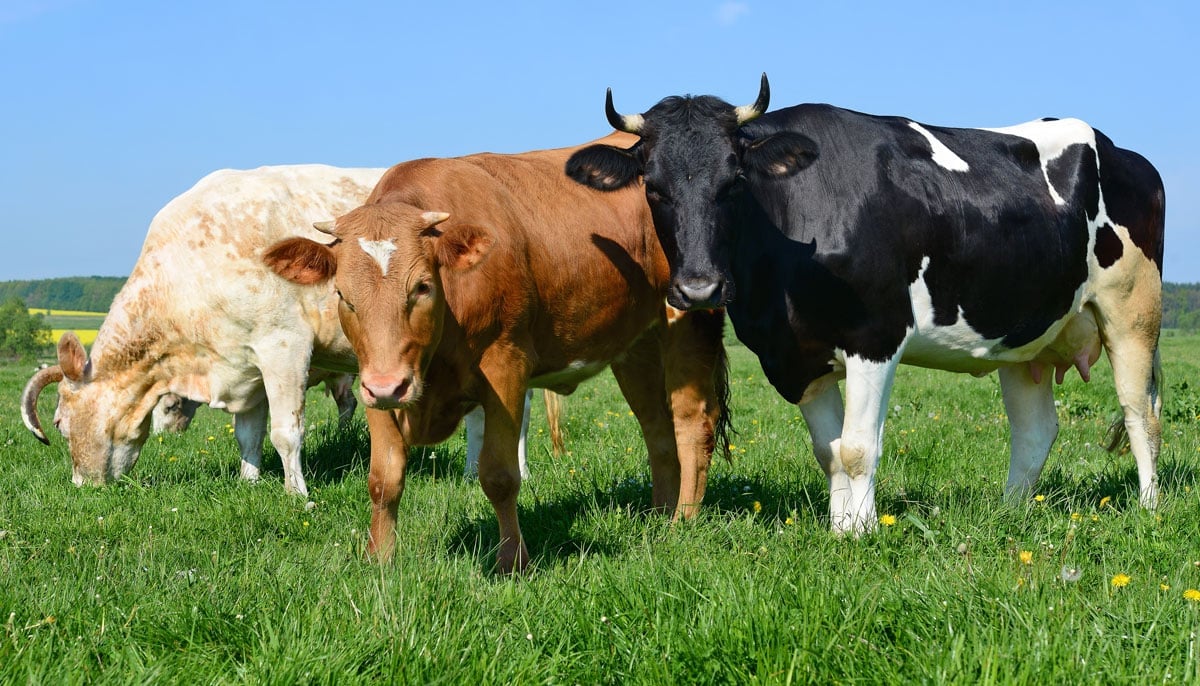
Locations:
(533, 278)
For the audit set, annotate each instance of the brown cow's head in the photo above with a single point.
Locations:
(105, 423)
(386, 264)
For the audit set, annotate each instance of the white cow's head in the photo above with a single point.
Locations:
(105, 421)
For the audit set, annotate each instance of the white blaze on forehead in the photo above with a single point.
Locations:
(381, 251)
(1051, 139)
(942, 155)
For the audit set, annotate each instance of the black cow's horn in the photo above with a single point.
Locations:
(29, 399)
(747, 112)
(629, 123)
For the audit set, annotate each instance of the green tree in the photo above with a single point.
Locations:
(22, 335)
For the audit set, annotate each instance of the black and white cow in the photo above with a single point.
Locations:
(843, 244)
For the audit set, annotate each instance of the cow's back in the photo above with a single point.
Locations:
(199, 280)
(569, 263)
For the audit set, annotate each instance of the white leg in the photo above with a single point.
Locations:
(1137, 373)
(1033, 425)
(824, 416)
(250, 427)
(524, 465)
(856, 453)
(285, 395)
(474, 421)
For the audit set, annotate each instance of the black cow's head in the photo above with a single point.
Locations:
(696, 162)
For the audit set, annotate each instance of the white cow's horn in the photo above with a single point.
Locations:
(29, 399)
(629, 123)
(328, 226)
(747, 112)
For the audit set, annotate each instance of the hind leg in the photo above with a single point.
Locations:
(1137, 374)
(1129, 318)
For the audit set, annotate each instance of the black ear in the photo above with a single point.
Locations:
(780, 154)
(604, 167)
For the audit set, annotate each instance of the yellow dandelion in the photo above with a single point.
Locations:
(1120, 580)
(1095, 518)
(212, 438)
(887, 520)
(1026, 557)
(757, 507)
(1075, 516)
(1039, 498)
(305, 523)
(1192, 595)
(1105, 500)
(1164, 587)
(789, 521)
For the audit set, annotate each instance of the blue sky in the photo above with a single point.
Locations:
(110, 108)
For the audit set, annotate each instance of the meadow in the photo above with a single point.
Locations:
(184, 573)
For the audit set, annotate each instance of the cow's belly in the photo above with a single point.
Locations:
(1072, 341)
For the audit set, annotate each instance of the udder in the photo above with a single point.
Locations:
(1078, 346)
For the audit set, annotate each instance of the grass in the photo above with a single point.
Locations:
(184, 573)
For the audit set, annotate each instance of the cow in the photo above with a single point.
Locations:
(843, 244)
(465, 281)
(201, 320)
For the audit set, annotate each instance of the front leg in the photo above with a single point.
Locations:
(389, 459)
(855, 455)
(250, 427)
(499, 469)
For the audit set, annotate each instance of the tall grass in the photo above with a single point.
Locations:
(183, 573)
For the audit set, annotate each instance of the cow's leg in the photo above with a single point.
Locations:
(499, 467)
(639, 373)
(1137, 374)
(250, 427)
(1033, 426)
(1129, 320)
(856, 453)
(825, 416)
(341, 387)
(385, 482)
(285, 394)
(697, 386)
(474, 421)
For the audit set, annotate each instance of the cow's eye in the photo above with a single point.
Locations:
(657, 195)
(731, 189)
(422, 289)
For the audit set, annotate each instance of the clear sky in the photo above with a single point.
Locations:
(110, 108)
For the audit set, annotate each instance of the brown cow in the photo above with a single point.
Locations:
(466, 280)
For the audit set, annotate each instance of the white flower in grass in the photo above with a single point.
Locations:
(1070, 574)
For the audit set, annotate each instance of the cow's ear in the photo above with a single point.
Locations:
(463, 246)
(780, 154)
(72, 357)
(605, 167)
(301, 261)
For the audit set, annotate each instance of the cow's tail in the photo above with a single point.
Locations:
(554, 419)
(724, 424)
(1117, 436)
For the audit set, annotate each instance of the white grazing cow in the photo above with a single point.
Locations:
(202, 318)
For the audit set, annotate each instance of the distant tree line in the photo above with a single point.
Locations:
(1181, 306)
(86, 293)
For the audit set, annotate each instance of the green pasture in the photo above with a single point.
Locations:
(184, 574)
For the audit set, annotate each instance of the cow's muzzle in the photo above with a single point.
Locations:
(388, 391)
(698, 293)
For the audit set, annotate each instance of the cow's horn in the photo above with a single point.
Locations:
(629, 123)
(29, 399)
(434, 218)
(747, 112)
(328, 226)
